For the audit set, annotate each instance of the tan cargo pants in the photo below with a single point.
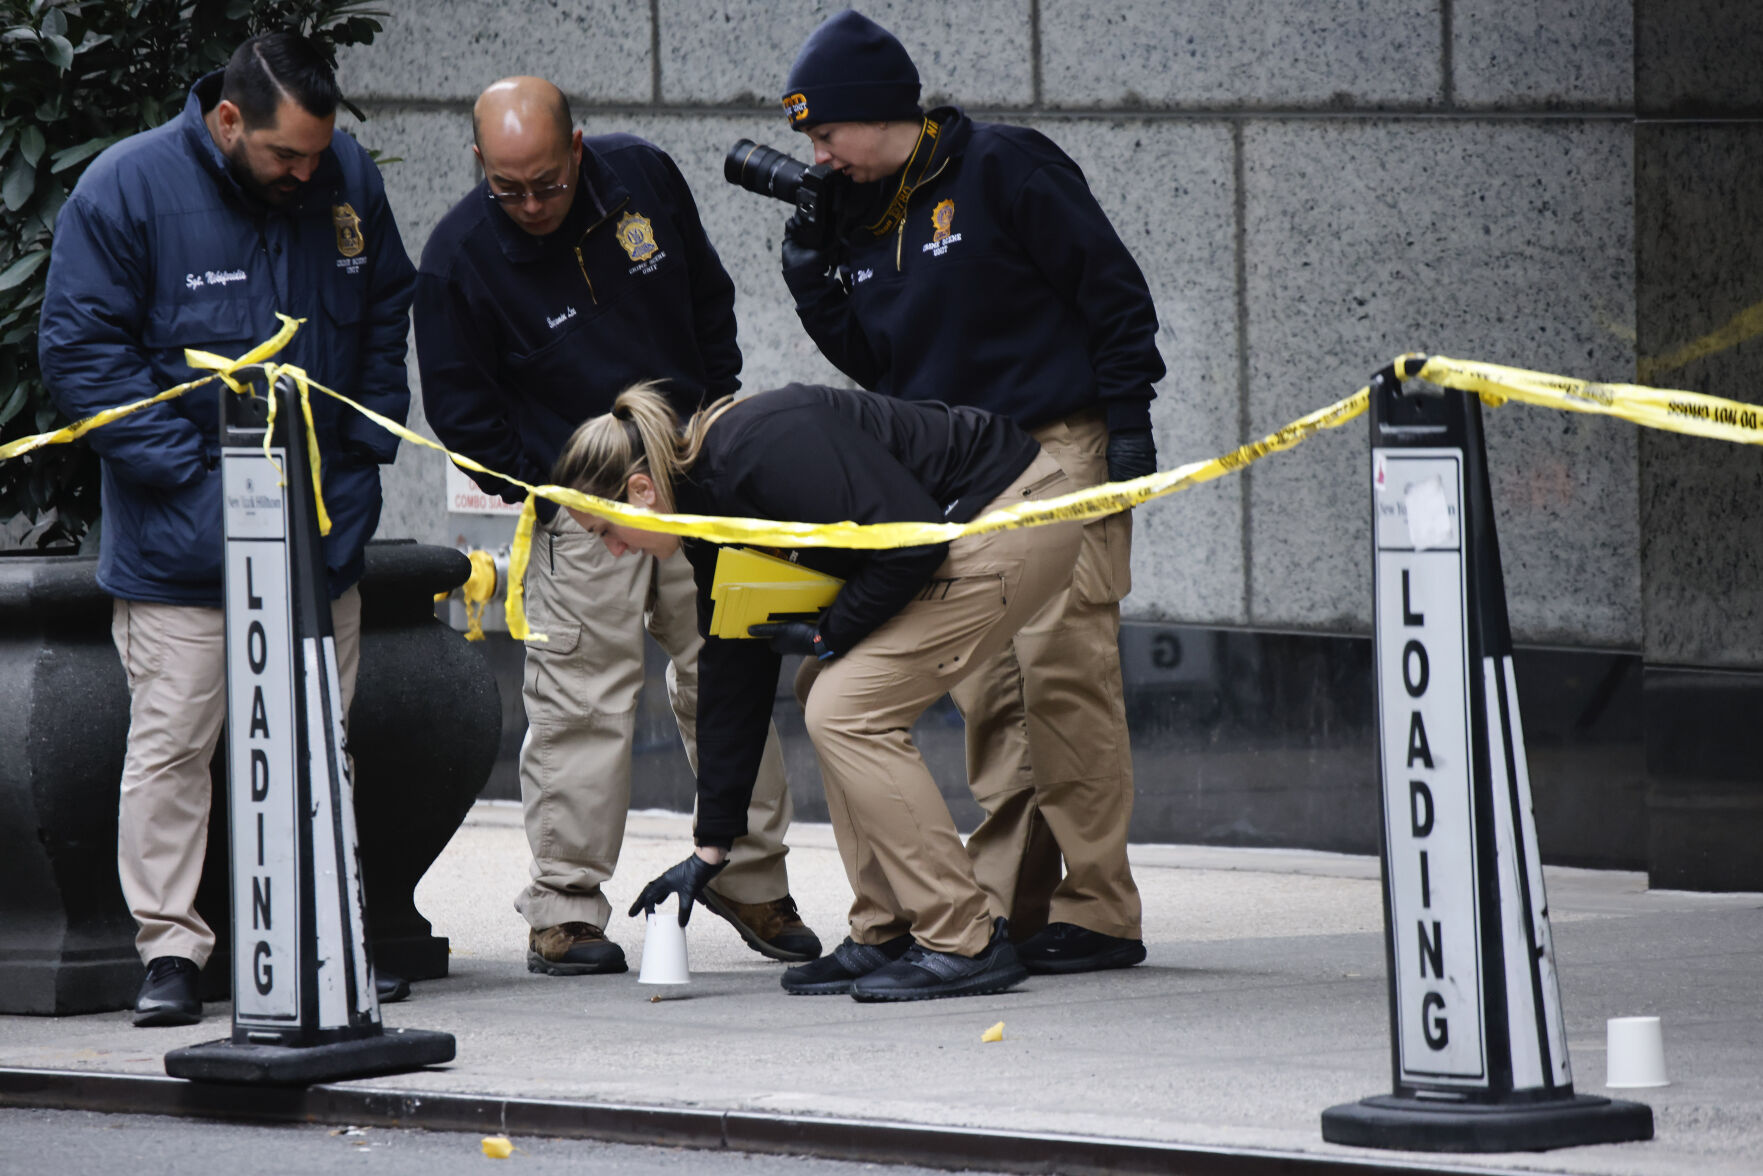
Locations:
(904, 859)
(581, 690)
(1048, 757)
(175, 660)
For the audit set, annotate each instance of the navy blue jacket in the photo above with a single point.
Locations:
(1004, 287)
(159, 249)
(522, 338)
(824, 455)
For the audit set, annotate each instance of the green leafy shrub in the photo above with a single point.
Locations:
(75, 77)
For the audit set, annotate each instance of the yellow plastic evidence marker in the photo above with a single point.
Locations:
(751, 588)
(995, 1033)
(498, 1147)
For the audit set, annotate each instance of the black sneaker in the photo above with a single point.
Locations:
(168, 994)
(922, 974)
(390, 989)
(831, 975)
(1066, 947)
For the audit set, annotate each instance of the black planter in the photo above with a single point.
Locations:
(423, 733)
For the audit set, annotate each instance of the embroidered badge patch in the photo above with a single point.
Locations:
(795, 107)
(637, 235)
(350, 242)
(942, 219)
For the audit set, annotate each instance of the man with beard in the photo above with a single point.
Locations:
(193, 235)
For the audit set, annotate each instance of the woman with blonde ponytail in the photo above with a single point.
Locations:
(907, 625)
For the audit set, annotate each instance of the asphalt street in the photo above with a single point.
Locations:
(86, 1144)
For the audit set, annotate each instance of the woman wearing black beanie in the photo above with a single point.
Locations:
(971, 264)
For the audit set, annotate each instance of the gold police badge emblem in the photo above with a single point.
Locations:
(350, 242)
(637, 235)
(942, 219)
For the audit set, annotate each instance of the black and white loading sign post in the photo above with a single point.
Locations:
(1477, 1043)
(304, 1005)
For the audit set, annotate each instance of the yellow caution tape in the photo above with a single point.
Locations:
(1676, 411)
(1668, 409)
(222, 367)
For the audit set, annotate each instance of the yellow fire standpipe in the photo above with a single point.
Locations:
(487, 584)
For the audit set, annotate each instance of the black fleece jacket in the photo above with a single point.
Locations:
(1004, 287)
(824, 455)
(521, 338)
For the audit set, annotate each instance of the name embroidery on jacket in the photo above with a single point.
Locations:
(213, 278)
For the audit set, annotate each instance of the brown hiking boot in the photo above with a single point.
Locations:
(772, 929)
(572, 949)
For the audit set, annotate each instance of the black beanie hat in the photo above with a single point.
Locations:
(851, 70)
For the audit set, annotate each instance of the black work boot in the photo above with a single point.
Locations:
(832, 975)
(1066, 947)
(168, 994)
(922, 974)
(573, 949)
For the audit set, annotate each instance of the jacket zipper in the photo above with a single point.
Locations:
(583, 266)
(582, 262)
(900, 235)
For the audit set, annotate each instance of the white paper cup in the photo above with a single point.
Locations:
(1635, 1054)
(664, 950)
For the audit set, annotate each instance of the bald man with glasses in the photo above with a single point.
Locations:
(576, 268)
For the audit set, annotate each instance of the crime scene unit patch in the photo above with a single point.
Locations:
(350, 241)
(637, 235)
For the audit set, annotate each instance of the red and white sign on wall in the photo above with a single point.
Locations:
(463, 496)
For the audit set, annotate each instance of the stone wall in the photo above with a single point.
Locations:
(1311, 189)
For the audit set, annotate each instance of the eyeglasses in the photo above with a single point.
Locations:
(539, 194)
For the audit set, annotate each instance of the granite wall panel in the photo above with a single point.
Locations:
(1168, 189)
(739, 52)
(449, 50)
(1506, 241)
(1254, 54)
(1699, 254)
(1698, 57)
(1559, 53)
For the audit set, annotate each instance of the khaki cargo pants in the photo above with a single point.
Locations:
(904, 859)
(1047, 746)
(175, 660)
(581, 690)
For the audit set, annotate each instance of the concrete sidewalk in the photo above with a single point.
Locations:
(1263, 1002)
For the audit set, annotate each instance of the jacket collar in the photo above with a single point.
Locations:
(870, 201)
(957, 130)
(598, 197)
(203, 95)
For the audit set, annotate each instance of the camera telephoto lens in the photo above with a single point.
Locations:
(764, 170)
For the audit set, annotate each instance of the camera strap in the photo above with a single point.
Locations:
(912, 175)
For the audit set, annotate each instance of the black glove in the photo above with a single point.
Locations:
(1131, 454)
(799, 255)
(688, 880)
(801, 637)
